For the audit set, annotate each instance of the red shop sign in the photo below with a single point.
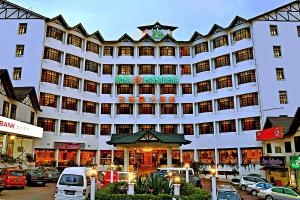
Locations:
(270, 133)
(69, 146)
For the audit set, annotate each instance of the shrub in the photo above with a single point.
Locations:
(132, 197)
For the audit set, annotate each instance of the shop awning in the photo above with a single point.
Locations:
(274, 168)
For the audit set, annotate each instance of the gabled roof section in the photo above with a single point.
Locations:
(196, 36)
(237, 21)
(22, 94)
(215, 29)
(125, 38)
(79, 28)
(9, 10)
(283, 121)
(146, 38)
(59, 19)
(97, 36)
(157, 25)
(295, 123)
(6, 82)
(167, 38)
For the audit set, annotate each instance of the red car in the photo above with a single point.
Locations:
(13, 178)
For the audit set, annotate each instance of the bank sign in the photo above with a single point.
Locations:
(20, 128)
(164, 79)
(295, 162)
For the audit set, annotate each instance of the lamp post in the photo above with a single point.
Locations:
(177, 186)
(187, 166)
(131, 183)
(111, 173)
(213, 184)
(93, 173)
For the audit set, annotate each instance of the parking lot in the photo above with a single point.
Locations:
(30, 193)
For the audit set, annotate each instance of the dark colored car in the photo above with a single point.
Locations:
(2, 185)
(36, 176)
(52, 173)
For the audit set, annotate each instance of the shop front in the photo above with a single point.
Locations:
(294, 171)
(68, 154)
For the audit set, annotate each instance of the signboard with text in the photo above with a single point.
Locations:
(277, 161)
(69, 146)
(163, 79)
(295, 162)
(270, 133)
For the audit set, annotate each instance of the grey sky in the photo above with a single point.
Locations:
(113, 18)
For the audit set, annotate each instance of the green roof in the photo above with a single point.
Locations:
(147, 136)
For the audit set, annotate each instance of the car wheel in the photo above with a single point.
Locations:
(254, 193)
(243, 187)
(268, 197)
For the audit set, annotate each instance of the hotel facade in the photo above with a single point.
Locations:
(216, 90)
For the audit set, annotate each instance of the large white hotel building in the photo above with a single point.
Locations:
(215, 89)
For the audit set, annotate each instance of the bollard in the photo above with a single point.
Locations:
(130, 188)
(176, 189)
(93, 188)
(214, 188)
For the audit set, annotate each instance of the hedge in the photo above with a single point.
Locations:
(100, 196)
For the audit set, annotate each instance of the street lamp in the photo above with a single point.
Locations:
(213, 184)
(112, 173)
(177, 186)
(187, 166)
(93, 173)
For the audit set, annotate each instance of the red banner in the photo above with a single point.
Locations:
(270, 133)
(69, 146)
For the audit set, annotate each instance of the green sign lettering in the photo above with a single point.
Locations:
(165, 79)
(157, 34)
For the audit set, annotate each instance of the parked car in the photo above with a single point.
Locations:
(227, 192)
(255, 188)
(250, 180)
(235, 181)
(279, 193)
(52, 173)
(13, 177)
(37, 177)
(117, 177)
(2, 185)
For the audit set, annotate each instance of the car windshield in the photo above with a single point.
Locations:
(16, 173)
(71, 179)
(268, 185)
(228, 195)
(37, 172)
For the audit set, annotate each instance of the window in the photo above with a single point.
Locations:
(277, 51)
(288, 147)
(71, 82)
(124, 89)
(220, 41)
(88, 128)
(47, 124)
(205, 106)
(90, 86)
(298, 31)
(146, 89)
(105, 129)
(202, 47)
(22, 28)
(252, 156)
(168, 128)
(107, 69)
(13, 111)
(186, 88)
(167, 89)
(167, 51)
(124, 129)
(49, 100)
(146, 69)
(147, 109)
(106, 108)
(92, 47)
(273, 30)
(89, 107)
(223, 82)
(184, 51)
(249, 99)
(279, 74)
(283, 97)
(246, 77)
(124, 109)
(168, 108)
(125, 51)
(54, 33)
(227, 126)
(146, 51)
(91, 66)
(106, 88)
(297, 143)
(49, 76)
(69, 103)
(251, 123)
(19, 50)
(168, 69)
(202, 66)
(73, 60)
(17, 74)
(222, 61)
(5, 109)
(241, 34)
(204, 86)
(225, 103)
(269, 148)
(108, 51)
(290, 192)
(145, 127)
(188, 129)
(186, 69)
(245, 54)
(277, 149)
(74, 40)
(68, 126)
(206, 128)
(32, 116)
(187, 108)
(52, 54)
(125, 69)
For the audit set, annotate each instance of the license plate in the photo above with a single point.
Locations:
(39, 182)
(70, 192)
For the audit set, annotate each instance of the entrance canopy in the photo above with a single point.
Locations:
(148, 139)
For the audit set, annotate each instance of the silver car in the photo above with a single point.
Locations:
(227, 192)
(255, 188)
(279, 193)
(250, 180)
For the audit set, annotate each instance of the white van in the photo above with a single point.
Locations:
(73, 184)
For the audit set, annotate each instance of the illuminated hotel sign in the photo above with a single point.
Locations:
(157, 34)
(166, 79)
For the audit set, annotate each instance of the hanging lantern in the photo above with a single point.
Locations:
(172, 99)
(131, 99)
(121, 99)
(153, 99)
(141, 99)
(162, 99)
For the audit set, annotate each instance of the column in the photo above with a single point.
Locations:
(239, 159)
(78, 157)
(56, 154)
(181, 158)
(126, 160)
(169, 157)
(97, 158)
(196, 159)
(112, 156)
(4, 146)
(216, 160)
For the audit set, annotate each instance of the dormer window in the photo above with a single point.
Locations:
(220, 41)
